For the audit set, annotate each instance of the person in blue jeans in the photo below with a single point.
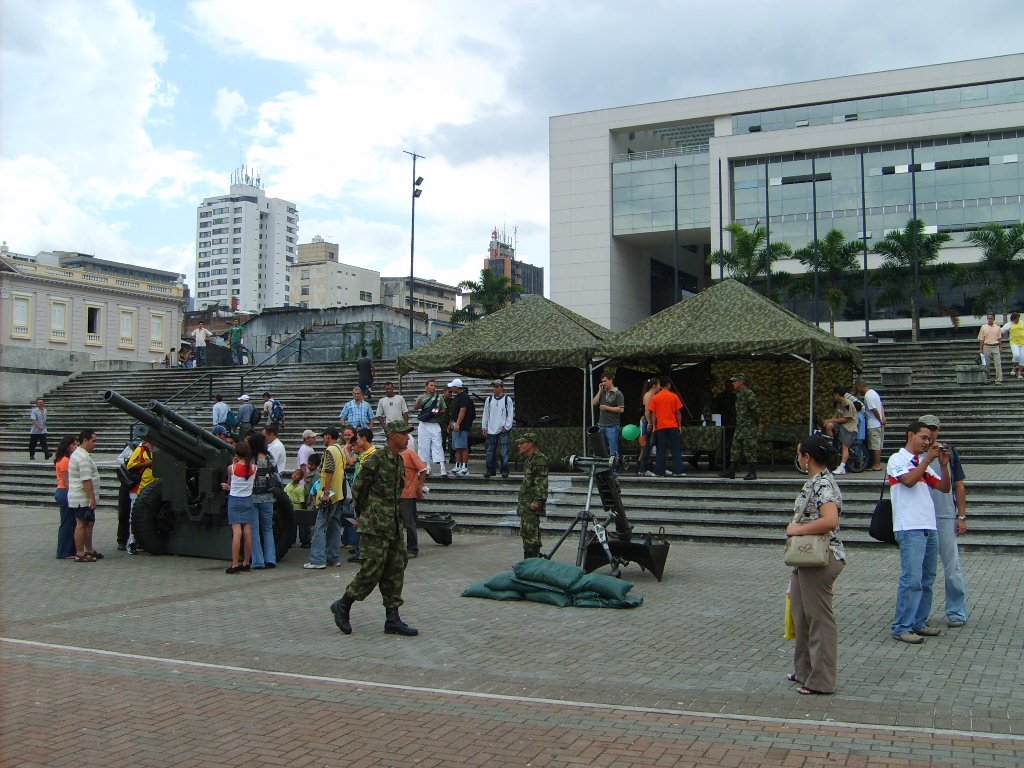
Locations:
(499, 416)
(951, 522)
(910, 474)
(325, 549)
(264, 550)
(610, 404)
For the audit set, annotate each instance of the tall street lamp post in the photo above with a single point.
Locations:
(416, 192)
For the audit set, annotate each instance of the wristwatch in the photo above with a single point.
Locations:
(961, 517)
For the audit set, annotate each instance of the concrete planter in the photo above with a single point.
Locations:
(896, 377)
(971, 374)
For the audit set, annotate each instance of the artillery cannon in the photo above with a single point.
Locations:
(184, 512)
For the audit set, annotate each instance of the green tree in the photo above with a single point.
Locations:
(897, 251)
(1001, 268)
(491, 293)
(834, 259)
(751, 257)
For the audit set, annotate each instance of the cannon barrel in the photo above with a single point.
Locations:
(186, 424)
(165, 434)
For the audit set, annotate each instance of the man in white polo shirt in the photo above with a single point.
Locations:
(910, 474)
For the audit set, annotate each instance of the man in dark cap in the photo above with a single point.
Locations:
(744, 439)
(377, 494)
(533, 493)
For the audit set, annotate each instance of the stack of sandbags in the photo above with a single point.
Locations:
(544, 581)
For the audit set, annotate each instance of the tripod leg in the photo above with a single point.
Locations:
(563, 537)
(602, 537)
(581, 548)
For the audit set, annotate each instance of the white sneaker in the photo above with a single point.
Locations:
(314, 567)
(840, 470)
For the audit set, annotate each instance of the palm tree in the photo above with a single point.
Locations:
(1001, 268)
(833, 258)
(491, 293)
(750, 257)
(897, 251)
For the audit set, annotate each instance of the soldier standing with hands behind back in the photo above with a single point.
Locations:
(748, 420)
(377, 494)
(533, 493)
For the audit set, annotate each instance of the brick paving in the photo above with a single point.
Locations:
(207, 669)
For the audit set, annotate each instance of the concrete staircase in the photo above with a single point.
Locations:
(984, 422)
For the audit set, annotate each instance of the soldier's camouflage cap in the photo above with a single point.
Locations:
(740, 377)
(397, 426)
(526, 437)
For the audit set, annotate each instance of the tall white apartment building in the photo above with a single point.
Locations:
(245, 242)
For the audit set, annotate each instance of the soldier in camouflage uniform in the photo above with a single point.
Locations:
(748, 421)
(377, 492)
(533, 493)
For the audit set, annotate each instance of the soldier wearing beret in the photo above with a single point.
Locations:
(748, 420)
(533, 493)
(377, 494)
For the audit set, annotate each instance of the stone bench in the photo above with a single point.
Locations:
(971, 374)
(896, 377)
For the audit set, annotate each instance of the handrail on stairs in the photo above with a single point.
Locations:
(292, 346)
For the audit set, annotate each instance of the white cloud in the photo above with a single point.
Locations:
(84, 76)
(230, 104)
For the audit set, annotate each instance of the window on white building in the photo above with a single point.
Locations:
(156, 332)
(126, 328)
(22, 326)
(93, 325)
(58, 321)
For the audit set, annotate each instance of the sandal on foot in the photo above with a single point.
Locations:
(803, 690)
(792, 678)
(87, 558)
(95, 555)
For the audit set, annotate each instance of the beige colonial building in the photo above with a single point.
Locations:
(320, 281)
(63, 311)
(436, 300)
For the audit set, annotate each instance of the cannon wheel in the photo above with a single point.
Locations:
(284, 523)
(152, 520)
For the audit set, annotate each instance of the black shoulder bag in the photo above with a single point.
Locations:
(880, 527)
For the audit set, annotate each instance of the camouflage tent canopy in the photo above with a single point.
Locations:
(530, 333)
(728, 320)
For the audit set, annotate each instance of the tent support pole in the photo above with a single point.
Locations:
(810, 406)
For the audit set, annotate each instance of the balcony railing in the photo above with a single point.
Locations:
(695, 150)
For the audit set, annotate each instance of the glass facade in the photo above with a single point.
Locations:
(874, 107)
(960, 183)
(642, 193)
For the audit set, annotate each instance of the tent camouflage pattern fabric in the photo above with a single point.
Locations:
(530, 333)
(726, 320)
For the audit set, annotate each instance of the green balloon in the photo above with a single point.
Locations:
(631, 432)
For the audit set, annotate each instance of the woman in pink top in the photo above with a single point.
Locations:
(66, 531)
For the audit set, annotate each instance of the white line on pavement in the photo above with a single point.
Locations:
(519, 699)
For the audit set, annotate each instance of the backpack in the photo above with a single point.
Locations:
(231, 421)
(276, 411)
(255, 416)
(470, 416)
(128, 477)
(267, 478)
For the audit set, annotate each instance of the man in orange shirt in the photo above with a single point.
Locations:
(665, 411)
(990, 339)
(415, 471)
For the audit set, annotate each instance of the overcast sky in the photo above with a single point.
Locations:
(118, 117)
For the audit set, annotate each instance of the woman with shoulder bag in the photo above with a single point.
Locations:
(817, 511)
(264, 549)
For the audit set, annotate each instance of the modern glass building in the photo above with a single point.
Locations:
(861, 154)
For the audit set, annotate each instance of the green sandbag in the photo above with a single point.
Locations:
(558, 599)
(502, 582)
(592, 600)
(605, 586)
(543, 571)
(480, 589)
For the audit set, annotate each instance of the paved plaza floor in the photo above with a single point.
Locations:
(161, 661)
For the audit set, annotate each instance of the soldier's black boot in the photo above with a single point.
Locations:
(394, 625)
(729, 471)
(751, 473)
(340, 609)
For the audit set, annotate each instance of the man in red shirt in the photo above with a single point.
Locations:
(665, 411)
(415, 471)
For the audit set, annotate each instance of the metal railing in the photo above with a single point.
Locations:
(205, 383)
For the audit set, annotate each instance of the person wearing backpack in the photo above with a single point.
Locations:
(499, 415)
(141, 461)
(264, 550)
(462, 414)
(273, 412)
(248, 417)
(432, 409)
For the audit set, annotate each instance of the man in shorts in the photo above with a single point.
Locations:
(843, 425)
(875, 422)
